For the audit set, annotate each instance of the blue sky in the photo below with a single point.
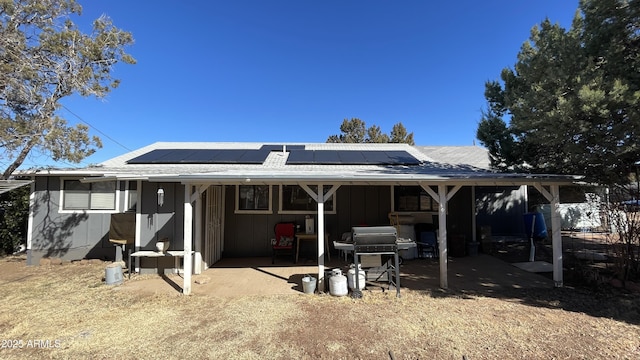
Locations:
(291, 71)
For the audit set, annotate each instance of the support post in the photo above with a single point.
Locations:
(197, 265)
(442, 235)
(138, 239)
(32, 204)
(188, 238)
(556, 236)
(320, 237)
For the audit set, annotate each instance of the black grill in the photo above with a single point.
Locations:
(377, 240)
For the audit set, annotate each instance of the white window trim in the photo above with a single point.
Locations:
(237, 203)
(127, 206)
(304, 212)
(62, 210)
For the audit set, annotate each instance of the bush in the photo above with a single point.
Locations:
(14, 214)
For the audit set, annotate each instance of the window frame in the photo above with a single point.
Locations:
(420, 197)
(128, 192)
(63, 210)
(237, 209)
(281, 209)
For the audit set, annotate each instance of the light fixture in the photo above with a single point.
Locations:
(160, 196)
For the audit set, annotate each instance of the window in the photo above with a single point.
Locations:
(253, 199)
(88, 196)
(412, 198)
(294, 199)
(132, 196)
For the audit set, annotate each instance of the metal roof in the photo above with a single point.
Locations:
(462, 165)
(8, 185)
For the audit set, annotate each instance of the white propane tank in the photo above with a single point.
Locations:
(351, 277)
(338, 283)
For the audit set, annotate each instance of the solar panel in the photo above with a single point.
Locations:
(402, 157)
(326, 157)
(300, 157)
(201, 156)
(150, 157)
(351, 157)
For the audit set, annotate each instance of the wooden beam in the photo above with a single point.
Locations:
(453, 191)
(543, 191)
(430, 191)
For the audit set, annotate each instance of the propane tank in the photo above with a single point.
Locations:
(351, 277)
(338, 283)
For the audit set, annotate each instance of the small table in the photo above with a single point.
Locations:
(177, 254)
(305, 236)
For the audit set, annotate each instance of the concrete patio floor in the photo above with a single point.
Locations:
(234, 277)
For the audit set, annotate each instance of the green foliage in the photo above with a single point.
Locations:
(44, 57)
(14, 213)
(571, 103)
(355, 131)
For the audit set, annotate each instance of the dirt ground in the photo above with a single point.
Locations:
(66, 311)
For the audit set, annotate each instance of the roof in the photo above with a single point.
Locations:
(8, 185)
(462, 164)
(459, 155)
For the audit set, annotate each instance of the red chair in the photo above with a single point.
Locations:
(284, 240)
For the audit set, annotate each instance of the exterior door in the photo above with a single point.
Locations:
(213, 229)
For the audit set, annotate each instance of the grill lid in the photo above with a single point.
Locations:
(374, 235)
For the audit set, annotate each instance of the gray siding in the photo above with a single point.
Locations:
(501, 208)
(250, 234)
(69, 236)
(79, 235)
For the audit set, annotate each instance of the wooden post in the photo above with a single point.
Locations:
(556, 236)
(320, 239)
(442, 235)
(188, 234)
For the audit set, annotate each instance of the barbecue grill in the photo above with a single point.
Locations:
(376, 240)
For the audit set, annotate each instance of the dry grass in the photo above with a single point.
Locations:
(70, 304)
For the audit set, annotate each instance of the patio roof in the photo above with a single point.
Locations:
(8, 185)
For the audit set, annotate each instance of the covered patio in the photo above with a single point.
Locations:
(236, 277)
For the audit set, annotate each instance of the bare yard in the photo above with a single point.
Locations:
(66, 311)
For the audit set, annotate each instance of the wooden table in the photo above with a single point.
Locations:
(314, 237)
(177, 254)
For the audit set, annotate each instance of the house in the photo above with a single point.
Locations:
(218, 199)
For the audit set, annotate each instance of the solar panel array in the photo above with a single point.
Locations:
(352, 157)
(298, 155)
(201, 156)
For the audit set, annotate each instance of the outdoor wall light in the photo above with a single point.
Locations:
(160, 196)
